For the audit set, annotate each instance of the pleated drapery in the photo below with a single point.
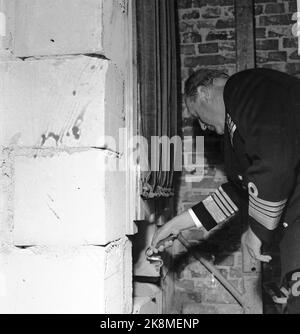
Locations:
(158, 84)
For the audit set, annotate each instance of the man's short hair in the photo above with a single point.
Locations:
(202, 77)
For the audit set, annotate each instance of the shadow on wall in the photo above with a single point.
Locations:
(217, 247)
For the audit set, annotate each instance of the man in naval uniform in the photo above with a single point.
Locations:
(258, 112)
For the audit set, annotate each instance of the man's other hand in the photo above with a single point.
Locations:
(171, 229)
(254, 245)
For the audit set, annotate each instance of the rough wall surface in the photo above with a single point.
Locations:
(63, 243)
(72, 91)
(65, 280)
(276, 46)
(207, 38)
(73, 193)
(57, 27)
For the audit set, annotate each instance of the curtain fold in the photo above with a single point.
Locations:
(157, 73)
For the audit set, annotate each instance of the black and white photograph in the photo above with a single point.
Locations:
(149, 160)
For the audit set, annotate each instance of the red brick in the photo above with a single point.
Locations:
(216, 295)
(272, 34)
(211, 12)
(191, 37)
(186, 27)
(229, 11)
(207, 183)
(236, 273)
(185, 285)
(188, 206)
(224, 272)
(293, 7)
(267, 44)
(193, 15)
(208, 48)
(273, 56)
(202, 3)
(238, 284)
(290, 43)
(294, 55)
(188, 50)
(260, 32)
(293, 68)
(221, 35)
(182, 298)
(280, 31)
(208, 60)
(208, 24)
(277, 56)
(274, 8)
(270, 20)
(224, 24)
(258, 9)
(183, 4)
(224, 260)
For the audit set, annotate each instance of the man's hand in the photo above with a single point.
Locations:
(172, 228)
(169, 229)
(254, 245)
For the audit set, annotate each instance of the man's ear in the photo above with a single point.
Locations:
(203, 93)
(219, 82)
(202, 125)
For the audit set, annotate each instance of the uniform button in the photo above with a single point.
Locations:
(285, 225)
(240, 177)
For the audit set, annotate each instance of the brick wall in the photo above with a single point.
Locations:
(207, 37)
(276, 47)
(207, 34)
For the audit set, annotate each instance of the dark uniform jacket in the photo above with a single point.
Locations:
(262, 155)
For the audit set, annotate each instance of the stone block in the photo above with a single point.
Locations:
(68, 198)
(64, 27)
(68, 101)
(85, 280)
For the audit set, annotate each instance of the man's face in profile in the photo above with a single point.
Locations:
(204, 113)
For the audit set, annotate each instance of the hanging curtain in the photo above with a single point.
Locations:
(158, 86)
